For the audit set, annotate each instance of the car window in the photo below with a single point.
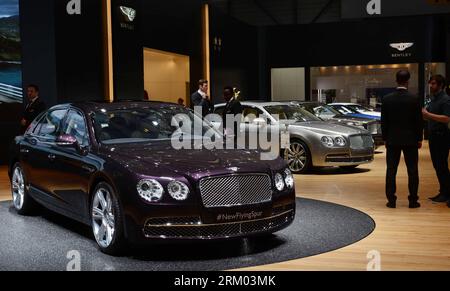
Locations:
(32, 128)
(219, 110)
(75, 126)
(50, 124)
(290, 112)
(249, 114)
(325, 111)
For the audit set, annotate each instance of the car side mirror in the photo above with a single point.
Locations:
(66, 140)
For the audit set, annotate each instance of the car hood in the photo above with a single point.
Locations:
(352, 118)
(161, 160)
(323, 127)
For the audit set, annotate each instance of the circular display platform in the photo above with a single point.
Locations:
(49, 242)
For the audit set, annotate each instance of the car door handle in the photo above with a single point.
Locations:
(51, 157)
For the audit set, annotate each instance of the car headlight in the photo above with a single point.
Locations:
(279, 182)
(327, 141)
(150, 190)
(289, 179)
(178, 190)
(340, 141)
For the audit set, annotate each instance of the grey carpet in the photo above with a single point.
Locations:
(43, 242)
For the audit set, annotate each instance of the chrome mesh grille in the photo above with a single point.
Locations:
(359, 142)
(236, 190)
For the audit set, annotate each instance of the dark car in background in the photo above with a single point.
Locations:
(328, 113)
(112, 167)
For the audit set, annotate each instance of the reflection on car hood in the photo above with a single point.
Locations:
(323, 127)
(352, 118)
(160, 159)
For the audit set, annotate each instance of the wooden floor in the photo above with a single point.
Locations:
(406, 239)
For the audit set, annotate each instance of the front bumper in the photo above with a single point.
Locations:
(153, 223)
(195, 230)
(343, 157)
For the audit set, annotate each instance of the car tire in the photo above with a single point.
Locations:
(107, 220)
(298, 157)
(22, 201)
(349, 168)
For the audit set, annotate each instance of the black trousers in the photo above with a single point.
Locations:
(439, 149)
(411, 155)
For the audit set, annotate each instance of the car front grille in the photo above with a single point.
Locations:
(236, 190)
(218, 231)
(360, 142)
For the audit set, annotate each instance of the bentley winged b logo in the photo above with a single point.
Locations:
(402, 46)
(129, 13)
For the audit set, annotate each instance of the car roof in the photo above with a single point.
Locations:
(89, 106)
(308, 102)
(259, 103)
(344, 104)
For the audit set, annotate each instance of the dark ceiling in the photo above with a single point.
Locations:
(280, 12)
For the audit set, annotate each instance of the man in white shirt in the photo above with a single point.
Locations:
(201, 98)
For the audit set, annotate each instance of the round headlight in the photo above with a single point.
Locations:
(279, 182)
(289, 179)
(178, 190)
(327, 141)
(340, 141)
(150, 190)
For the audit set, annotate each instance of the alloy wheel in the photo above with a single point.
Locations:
(18, 188)
(103, 219)
(296, 157)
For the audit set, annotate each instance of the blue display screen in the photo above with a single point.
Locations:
(10, 54)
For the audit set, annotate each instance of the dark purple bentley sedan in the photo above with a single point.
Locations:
(113, 167)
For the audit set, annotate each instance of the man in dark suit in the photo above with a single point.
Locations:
(437, 113)
(35, 107)
(232, 109)
(201, 99)
(402, 126)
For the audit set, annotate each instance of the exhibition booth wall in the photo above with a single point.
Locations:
(63, 50)
(352, 43)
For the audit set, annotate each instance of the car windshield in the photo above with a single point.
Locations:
(144, 124)
(291, 112)
(359, 107)
(321, 110)
(343, 109)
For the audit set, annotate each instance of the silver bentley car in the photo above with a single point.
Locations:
(313, 142)
(328, 113)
